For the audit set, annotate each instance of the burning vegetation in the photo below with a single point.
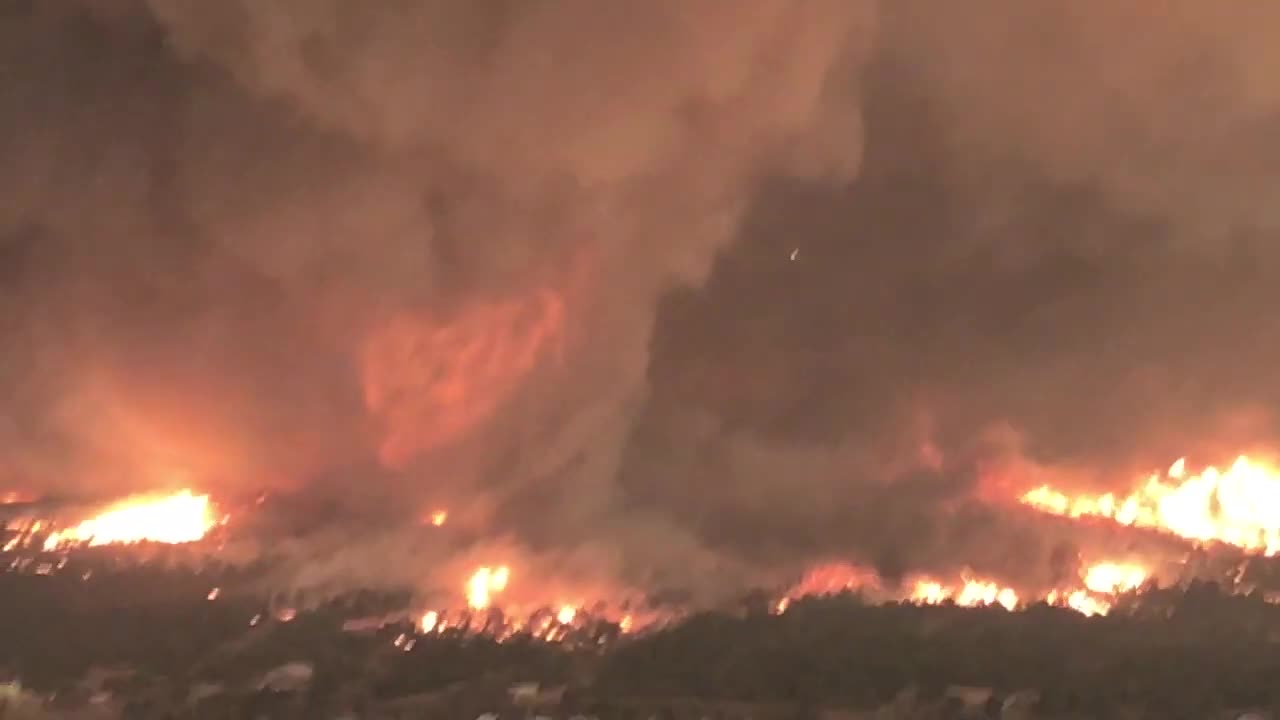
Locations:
(1239, 507)
(1208, 509)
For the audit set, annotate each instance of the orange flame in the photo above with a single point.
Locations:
(973, 593)
(179, 518)
(1238, 507)
(431, 383)
(484, 584)
(438, 518)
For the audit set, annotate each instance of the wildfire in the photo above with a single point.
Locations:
(429, 620)
(1098, 587)
(179, 518)
(1238, 507)
(1080, 601)
(484, 583)
(1113, 578)
(973, 593)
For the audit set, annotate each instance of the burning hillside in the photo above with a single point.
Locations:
(1239, 507)
(1205, 510)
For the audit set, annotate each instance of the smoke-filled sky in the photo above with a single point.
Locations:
(695, 284)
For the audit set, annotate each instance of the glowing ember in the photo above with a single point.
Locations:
(1239, 507)
(566, 614)
(484, 583)
(179, 518)
(438, 517)
(213, 594)
(1113, 578)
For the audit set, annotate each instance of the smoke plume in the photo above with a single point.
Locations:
(1051, 268)
(404, 250)
(661, 291)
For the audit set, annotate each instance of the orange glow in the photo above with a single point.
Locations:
(484, 584)
(10, 497)
(834, 578)
(439, 517)
(566, 614)
(430, 383)
(1238, 507)
(179, 518)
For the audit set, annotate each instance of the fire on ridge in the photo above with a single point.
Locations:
(1239, 507)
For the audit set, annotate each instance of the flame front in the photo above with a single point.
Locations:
(179, 518)
(1239, 507)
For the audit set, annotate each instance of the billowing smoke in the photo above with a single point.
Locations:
(406, 250)
(659, 291)
(1053, 266)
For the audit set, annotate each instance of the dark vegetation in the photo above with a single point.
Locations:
(1179, 652)
(1172, 651)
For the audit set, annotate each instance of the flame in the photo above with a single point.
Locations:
(1114, 578)
(438, 518)
(1100, 583)
(428, 621)
(430, 383)
(973, 593)
(1080, 601)
(1239, 507)
(566, 614)
(179, 518)
(484, 583)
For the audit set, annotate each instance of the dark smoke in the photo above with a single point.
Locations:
(533, 261)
